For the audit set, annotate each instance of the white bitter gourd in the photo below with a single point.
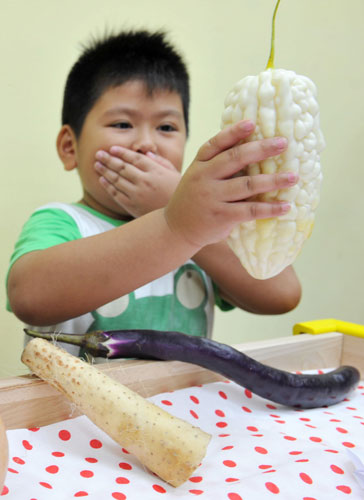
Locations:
(280, 103)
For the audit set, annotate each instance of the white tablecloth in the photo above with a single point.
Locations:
(259, 450)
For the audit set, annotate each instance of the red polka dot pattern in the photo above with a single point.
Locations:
(229, 463)
(261, 450)
(27, 445)
(86, 473)
(305, 478)
(125, 466)
(273, 488)
(122, 480)
(158, 488)
(258, 450)
(64, 435)
(45, 485)
(234, 496)
(52, 469)
(95, 443)
(57, 454)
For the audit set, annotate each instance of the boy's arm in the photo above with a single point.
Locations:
(276, 295)
(49, 286)
(67, 280)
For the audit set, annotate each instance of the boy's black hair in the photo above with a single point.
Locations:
(109, 62)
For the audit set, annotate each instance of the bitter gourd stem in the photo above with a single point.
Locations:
(270, 63)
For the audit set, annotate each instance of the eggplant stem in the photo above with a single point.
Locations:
(92, 342)
(68, 338)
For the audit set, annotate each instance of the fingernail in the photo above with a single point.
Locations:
(291, 177)
(116, 149)
(151, 154)
(247, 125)
(100, 155)
(286, 207)
(280, 142)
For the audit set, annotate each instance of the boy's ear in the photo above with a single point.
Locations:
(67, 147)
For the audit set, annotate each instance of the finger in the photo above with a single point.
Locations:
(161, 160)
(119, 195)
(231, 161)
(120, 183)
(244, 187)
(130, 173)
(225, 139)
(127, 172)
(106, 172)
(138, 160)
(110, 161)
(247, 211)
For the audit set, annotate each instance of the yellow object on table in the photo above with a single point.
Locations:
(318, 326)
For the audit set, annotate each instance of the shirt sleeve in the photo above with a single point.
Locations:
(45, 228)
(222, 304)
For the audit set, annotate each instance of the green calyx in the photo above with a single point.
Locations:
(91, 342)
(270, 63)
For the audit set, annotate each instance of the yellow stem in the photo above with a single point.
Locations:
(270, 63)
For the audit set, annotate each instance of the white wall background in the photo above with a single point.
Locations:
(222, 42)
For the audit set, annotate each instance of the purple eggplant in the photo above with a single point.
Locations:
(289, 389)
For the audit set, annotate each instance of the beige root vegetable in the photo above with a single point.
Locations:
(3, 455)
(168, 446)
(280, 103)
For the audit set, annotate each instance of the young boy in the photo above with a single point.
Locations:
(144, 247)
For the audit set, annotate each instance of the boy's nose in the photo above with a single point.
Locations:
(144, 142)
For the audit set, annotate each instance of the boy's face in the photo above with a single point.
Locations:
(127, 116)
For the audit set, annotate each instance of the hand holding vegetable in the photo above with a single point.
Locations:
(168, 446)
(210, 199)
(138, 182)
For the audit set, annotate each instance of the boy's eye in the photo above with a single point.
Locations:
(167, 128)
(121, 125)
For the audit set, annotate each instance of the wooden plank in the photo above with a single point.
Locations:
(353, 352)
(299, 352)
(27, 401)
